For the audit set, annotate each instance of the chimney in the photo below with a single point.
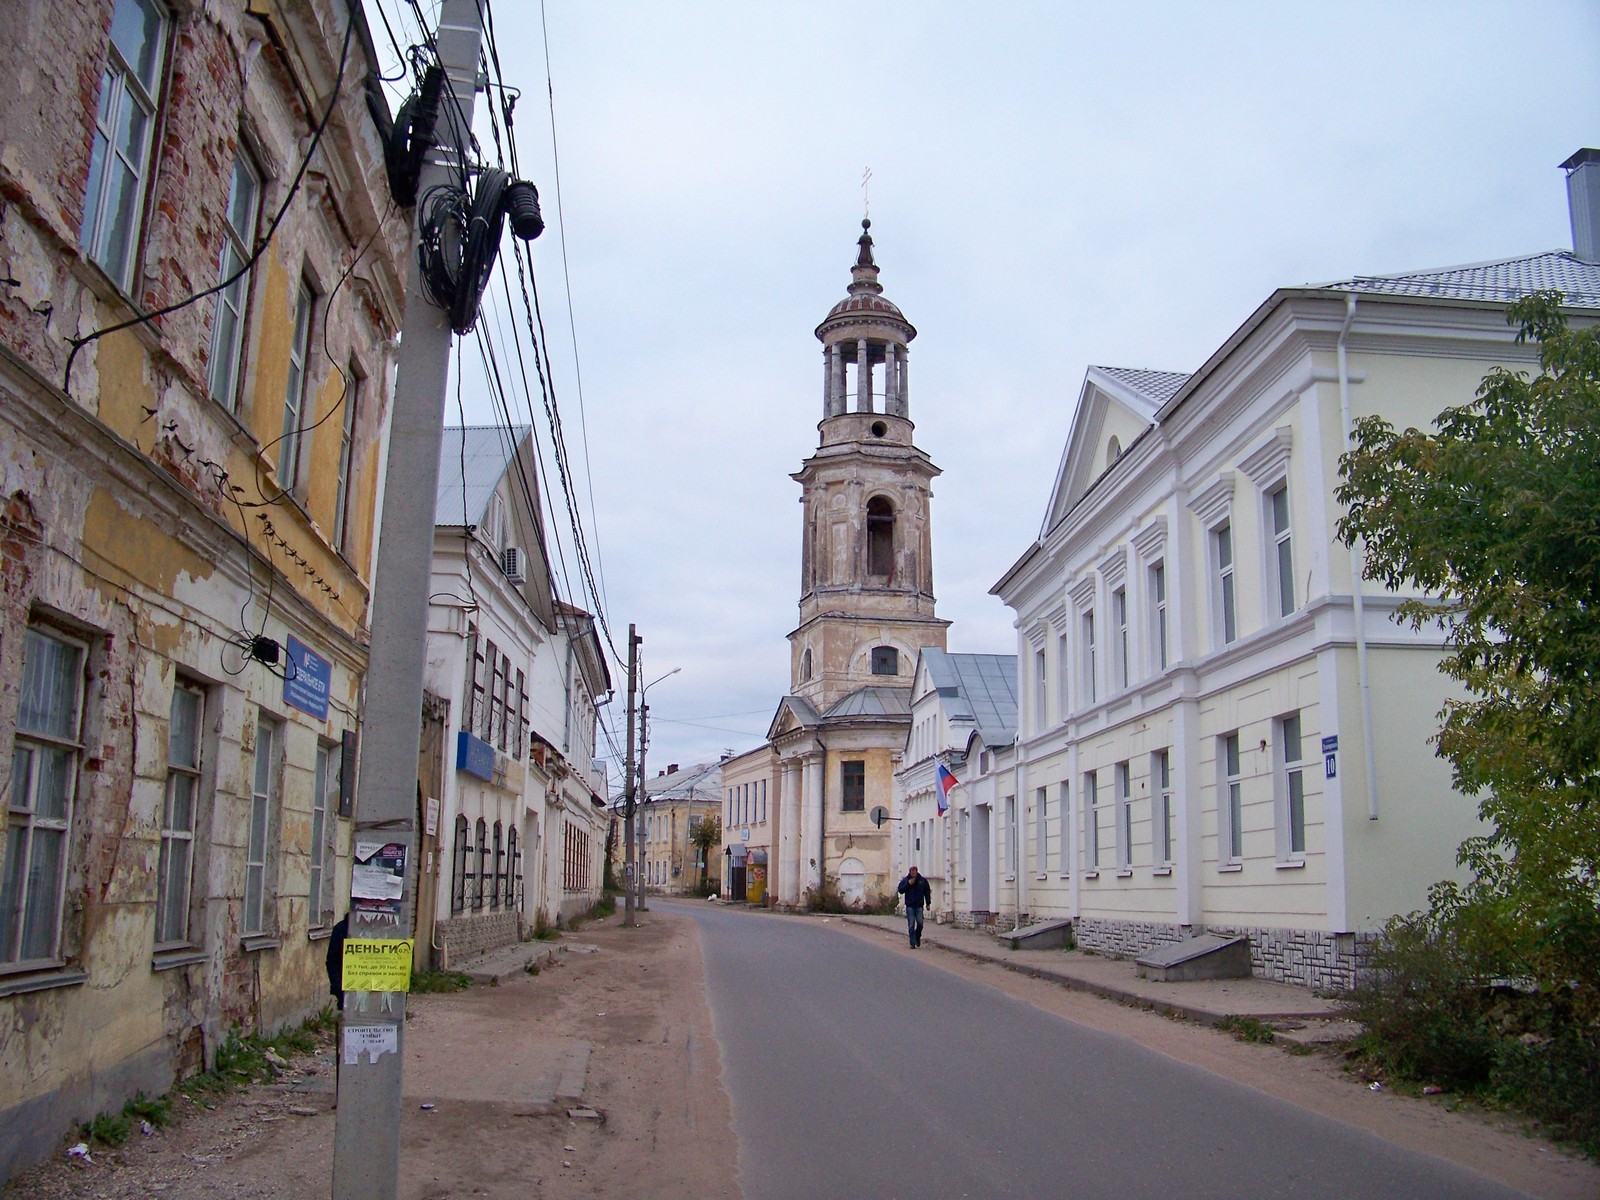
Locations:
(672, 768)
(1583, 201)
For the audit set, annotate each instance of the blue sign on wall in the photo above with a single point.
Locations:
(474, 756)
(307, 679)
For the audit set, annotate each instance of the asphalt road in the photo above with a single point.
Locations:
(855, 1071)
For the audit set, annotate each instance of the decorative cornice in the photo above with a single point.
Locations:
(1081, 593)
(1150, 543)
(1214, 503)
(1114, 566)
(1269, 462)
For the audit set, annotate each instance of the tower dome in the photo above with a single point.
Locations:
(864, 339)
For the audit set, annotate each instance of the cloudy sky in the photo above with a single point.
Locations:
(1053, 186)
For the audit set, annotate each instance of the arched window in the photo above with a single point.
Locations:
(497, 883)
(1113, 450)
(805, 665)
(880, 537)
(513, 867)
(885, 660)
(458, 868)
(483, 864)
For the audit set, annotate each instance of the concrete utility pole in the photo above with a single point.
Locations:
(632, 868)
(644, 790)
(366, 1151)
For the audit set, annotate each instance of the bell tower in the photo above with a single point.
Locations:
(866, 560)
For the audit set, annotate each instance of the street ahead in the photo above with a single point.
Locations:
(858, 1070)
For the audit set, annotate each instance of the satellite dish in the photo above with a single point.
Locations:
(879, 815)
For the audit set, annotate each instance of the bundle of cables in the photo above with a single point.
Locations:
(459, 237)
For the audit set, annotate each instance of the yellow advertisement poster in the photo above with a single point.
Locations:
(377, 965)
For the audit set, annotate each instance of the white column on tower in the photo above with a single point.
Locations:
(863, 376)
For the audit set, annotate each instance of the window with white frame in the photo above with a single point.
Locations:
(1064, 826)
(1124, 800)
(1161, 808)
(44, 777)
(1282, 553)
(238, 238)
(179, 815)
(296, 395)
(1041, 845)
(1086, 623)
(1230, 801)
(259, 856)
(1291, 790)
(1008, 838)
(347, 450)
(121, 155)
(1063, 676)
(1041, 684)
(1119, 651)
(324, 804)
(1091, 820)
(1158, 615)
(1227, 616)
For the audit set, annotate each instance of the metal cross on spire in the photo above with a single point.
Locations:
(866, 207)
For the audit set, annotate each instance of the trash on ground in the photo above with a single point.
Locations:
(81, 1151)
(429, 1107)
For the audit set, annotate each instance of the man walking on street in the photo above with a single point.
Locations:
(918, 896)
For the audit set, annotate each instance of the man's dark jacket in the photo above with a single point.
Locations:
(917, 892)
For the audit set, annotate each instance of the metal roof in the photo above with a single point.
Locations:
(472, 461)
(1502, 280)
(1156, 386)
(981, 688)
(873, 702)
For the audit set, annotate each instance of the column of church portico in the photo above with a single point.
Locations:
(810, 875)
(789, 835)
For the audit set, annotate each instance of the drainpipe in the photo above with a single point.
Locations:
(1359, 610)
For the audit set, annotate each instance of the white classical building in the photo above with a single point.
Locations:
(1222, 727)
(513, 814)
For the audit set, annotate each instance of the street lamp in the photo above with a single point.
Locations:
(644, 795)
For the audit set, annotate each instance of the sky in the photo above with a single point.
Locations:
(1053, 186)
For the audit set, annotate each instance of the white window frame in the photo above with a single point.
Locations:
(1041, 692)
(1123, 777)
(185, 771)
(1063, 674)
(1290, 790)
(108, 219)
(50, 705)
(347, 451)
(1041, 834)
(1213, 505)
(1161, 813)
(224, 372)
(1091, 819)
(1158, 616)
(296, 438)
(258, 914)
(1120, 654)
(1230, 801)
(324, 834)
(1224, 590)
(1087, 667)
(1280, 551)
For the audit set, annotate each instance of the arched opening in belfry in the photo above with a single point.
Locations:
(880, 537)
(805, 665)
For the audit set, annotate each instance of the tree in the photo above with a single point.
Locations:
(1496, 516)
(706, 834)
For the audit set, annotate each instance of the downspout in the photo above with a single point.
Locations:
(1358, 606)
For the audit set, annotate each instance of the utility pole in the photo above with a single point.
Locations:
(366, 1151)
(632, 868)
(644, 790)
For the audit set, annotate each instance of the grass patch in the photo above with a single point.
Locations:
(1249, 1029)
(439, 981)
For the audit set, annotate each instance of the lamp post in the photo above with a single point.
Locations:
(644, 794)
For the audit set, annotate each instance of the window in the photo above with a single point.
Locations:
(498, 884)
(853, 785)
(1063, 676)
(521, 732)
(1064, 821)
(296, 417)
(44, 774)
(458, 867)
(178, 816)
(347, 451)
(1158, 615)
(1041, 847)
(1292, 792)
(1124, 817)
(119, 161)
(258, 849)
(1091, 818)
(1227, 617)
(880, 537)
(238, 238)
(1282, 553)
(1230, 803)
(1008, 837)
(1088, 657)
(1041, 683)
(513, 868)
(1119, 615)
(1113, 450)
(1161, 784)
(324, 803)
(478, 897)
(805, 666)
(885, 660)
(494, 718)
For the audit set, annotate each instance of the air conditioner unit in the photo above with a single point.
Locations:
(511, 564)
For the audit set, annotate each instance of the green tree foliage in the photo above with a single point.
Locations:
(706, 836)
(1496, 517)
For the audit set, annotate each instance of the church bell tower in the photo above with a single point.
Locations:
(866, 569)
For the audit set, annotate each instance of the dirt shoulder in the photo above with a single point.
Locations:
(634, 1010)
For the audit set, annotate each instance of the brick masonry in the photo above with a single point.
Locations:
(470, 935)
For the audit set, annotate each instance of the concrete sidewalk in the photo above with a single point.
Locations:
(1298, 1015)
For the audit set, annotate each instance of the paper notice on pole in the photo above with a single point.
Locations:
(378, 879)
(374, 1041)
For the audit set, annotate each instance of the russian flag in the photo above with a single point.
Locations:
(946, 780)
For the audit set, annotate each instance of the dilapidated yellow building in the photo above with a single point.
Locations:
(201, 281)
